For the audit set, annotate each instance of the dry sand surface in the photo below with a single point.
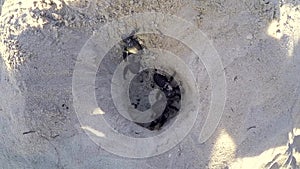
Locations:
(43, 121)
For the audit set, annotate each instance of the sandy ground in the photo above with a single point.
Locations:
(257, 42)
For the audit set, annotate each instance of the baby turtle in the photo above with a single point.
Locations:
(166, 84)
(172, 91)
(132, 45)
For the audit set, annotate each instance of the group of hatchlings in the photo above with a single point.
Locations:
(132, 45)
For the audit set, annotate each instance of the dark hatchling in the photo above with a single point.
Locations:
(173, 94)
(166, 85)
(132, 45)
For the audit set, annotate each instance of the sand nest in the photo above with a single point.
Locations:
(69, 99)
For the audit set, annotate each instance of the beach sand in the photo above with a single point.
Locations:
(258, 46)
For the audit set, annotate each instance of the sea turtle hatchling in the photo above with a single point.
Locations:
(131, 44)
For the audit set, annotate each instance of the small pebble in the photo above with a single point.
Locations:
(249, 37)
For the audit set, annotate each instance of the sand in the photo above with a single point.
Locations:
(238, 66)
